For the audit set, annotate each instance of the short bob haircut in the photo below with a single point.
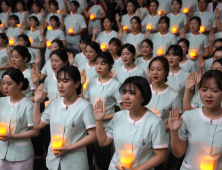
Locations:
(129, 47)
(197, 19)
(148, 41)
(215, 74)
(117, 43)
(165, 65)
(73, 74)
(55, 18)
(23, 51)
(54, 3)
(62, 54)
(217, 49)
(138, 20)
(178, 1)
(35, 19)
(142, 84)
(26, 39)
(185, 41)
(166, 20)
(59, 43)
(4, 37)
(86, 39)
(14, 17)
(156, 2)
(175, 50)
(218, 40)
(106, 57)
(218, 61)
(94, 45)
(76, 3)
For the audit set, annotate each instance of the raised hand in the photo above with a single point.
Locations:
(65, 1)
(34, 77)
(83, 76)
(37, 59)
(117, 17)
(39, 93)
(182, 33)
(190, 82)
(84, 5)
(191, 12)
(120, 33)
(217, 13)
(147, 33)
(8, 49)
(95, 29)
(62, 12)
(175, 120)
(200, 61)
(26, 14)
(71, 58)
(99, 113)
(42, 13)
(198, 75)
(211, 36)
(9, 10)
(139, 12)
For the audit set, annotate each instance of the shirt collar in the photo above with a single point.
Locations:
(176, 73)
(153, 16)
(83, 55)
(54, 77)
(70, 106)
(103, 84)
(129, 70)
(90, 66)
(138, 121)
(195, 35)
(175, 15)
(131, 16)
(3, 50)
(108, 33)
(208, 119)
(164, 35)
(16, 104)
(118, 59)
(202, 12)
(25, 71)
(160, 92)
(184, 63)
(147, 60)
(134, 35)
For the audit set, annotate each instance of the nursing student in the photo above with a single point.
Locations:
(197, 133)
(135, 37)
(5, 54)
(104, 88)
(5, 5)
(54, 33)
(187, 5)
(74, 25)
(104, 37)
(151, 21)
(162, 39)
(53, 7)
(142, 10)
(80, 9)
(16, 147)
(129, 69)
(136, 129)
(187, 63)
(71, 118)
(146, 50)
(177, 76)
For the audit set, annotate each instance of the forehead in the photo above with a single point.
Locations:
(218, 53)
(63, 75)
(218, 43)
(210, 83)
(14, 52)
(216, 64)
(7, 78)
(89, 48)
(125, 50)
(156, 64)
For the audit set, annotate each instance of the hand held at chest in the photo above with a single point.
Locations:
(126, 159)
(207, 163)
(2, 129)
(56, 141)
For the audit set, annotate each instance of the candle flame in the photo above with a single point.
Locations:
(58, 11)
(207, 163)
(19, 25)
(2, 129)
(85, 85)
(149, 27)
(92, 17)
(31, 40)
(185, 10)
(202, 29)
(125, 28)
(11, 41)
(70, 30)
(160, 52)
(103, 46)
(49, 27)
(174, 29)
(193, 54)
(2, 24)
(160, 12)
(48, 44)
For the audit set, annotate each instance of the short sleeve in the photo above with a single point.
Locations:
(88, 117)
(44, 70)
(194, 101)
(109, 128)
(206, 42)
(117, 95)
(29, 114)
(214, 24)
(177, 102)
(45, 85)
(83, 22)
(159, 136)
(32, 57)
(45, 115)
(86, 93)
(81, 67)
(62, 36)
(183, 130)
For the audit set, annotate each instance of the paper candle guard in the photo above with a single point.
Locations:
(11, 41)
(202, 29)
(160, 52)
(48, 44)
(149, 27)
(126, 159)
(49, 27)
(206, 163)
(125, 28)
(85, 85)
(56, 141)
(2, 129)
(160, 12)
(174, 30)
(103, 47)
(70, 30)
(192, 54)
(185, 10)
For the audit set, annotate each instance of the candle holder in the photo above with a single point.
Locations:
(202, 29)
(193, 54)
(103, 47)
(160, 12)
(207, 163)
(46, 103)
(49, 27)
(56, 141)
(2, 24)
(149, 27)
(185, 10)
(11, 41)
(92, 17)
(174, 30)
(48, 44)
(2, 129)
(19, 25)
(70, 30)
(160, 52)
(31, 40)
(126, 159)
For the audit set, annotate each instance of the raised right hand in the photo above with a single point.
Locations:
(83, 76)
(34, 77)
(71, 58)
(211, 36)
(39, 93)
(175, 120)
(95, 29)
(117, 17)
(37, 59)
(190, 82)
(99, 113)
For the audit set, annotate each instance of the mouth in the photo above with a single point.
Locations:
(171, 62)
(99, 72)
(209, 101)
(54, 68)
(61, 91)
(6, 92)
(125, 60)
(127, 104)
(155, 77)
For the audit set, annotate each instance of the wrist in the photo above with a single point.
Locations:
(99, 121)
(174, 132)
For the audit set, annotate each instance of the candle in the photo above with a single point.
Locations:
(149, 27)
(31, 40)
(58, 11)
(160, 12)
(103, 46)
(56, 141)
(46, 103)
(202, 29)
(207, 163)
(125, 28)
(185, 10)
(48, 44)
(2, 129)
(49, 27)
(126, 159)
(31, 28)
(11, 41)
(19, 25)
(70, 30)
(2, 24)
(92, 17)
(85, 85)
(193, 54)
(174, 30)
(160, 52)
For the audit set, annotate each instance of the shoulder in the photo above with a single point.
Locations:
(190, 115)
(172, 35)
(28, 102)
(140, 70)
(172, 92)
(185, 73)
(119, 68)
(204, 36)
(115, 33)
(142, 35)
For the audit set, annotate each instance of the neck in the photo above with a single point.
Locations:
(3, 46)
(153, 14)
(176, 12)
(15, 26)
(202, 10)
(23, 68)
(175, 69)
(164, 32)
(129, 66)
(91, 63)
(54, 12)
(137, 113)
(16, 98)
(130, 14)
(104, 78)
(21, 11)
(34, 29)
(74, 12)
(70, 99)
(36, 13)
(147, 57)
(195, 33)
(55, 28)
(159, 86)
(184, 59)
(115, 56)
(135, 32)
(213, 113)
(109, 30)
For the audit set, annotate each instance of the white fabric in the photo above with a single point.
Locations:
(21, 165)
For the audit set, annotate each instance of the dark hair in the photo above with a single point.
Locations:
(54, 3)
(156, 2)
(205, 0)
(185, 41)
(165, 64)
(138, 20)
(62, 54)
(6, 2)
(217, 49)
(218, 61)
(35, 19)
(94, 45)
(178, 1)
(76, 3)
(17, 76)
(38, 5)
(25, 38)
(176, 50)
(129, 47)
(86, 39)
(165, 19)
(4, 37)
(59, 42)
(106, 57)
(197, 19)
(148, 41)
(55, 18)
(22, 2)
(217, 40)
(216, 74)
(133, 2)
(14, 17)
(110, 18)
(142, 84)
(117, 42)
(73, 74)
(23, 51)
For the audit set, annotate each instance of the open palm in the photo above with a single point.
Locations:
(175, 121)
(99, 113)
(39, 93)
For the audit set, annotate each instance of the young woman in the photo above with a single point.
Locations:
(5, 54)
(162, 39)
(135, 37)
(71, 118)
(104, 88)
(163, 98)
(88, 69)
(104, 37)
(177, 76)
(178, 20)
(95, 12)
(136, 129)
(199, 44)
(129, 69)
(197, 133)
(187, 4)
(146, 50)
(186, 64)
(21, 56)
(142, 10)
(54, 33)
(164, 7)
(5, 5)
(151, 21)
(53, 7)
(16, 147)
(215, 44)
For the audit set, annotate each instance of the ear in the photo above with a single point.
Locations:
(25, 59)
(20, 85)
(77, 84)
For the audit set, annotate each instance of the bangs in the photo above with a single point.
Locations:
(63, 75)
(104, 60)
(128, 87)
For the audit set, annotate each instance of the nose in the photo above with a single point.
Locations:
(209, 93)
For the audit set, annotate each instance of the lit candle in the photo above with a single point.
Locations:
(49, 27)
(11, 41)
(58, 11)
(46, 103)
(2, 129)
(207, 163)
(56, 141)
(85, 85)
(160, 51)
(70, 30)
(149, 27)
(1, 25)
(185, 10)
(48, 44)
(31, 40)
(125, 28)
(92, 17)
(19, 25)
(103, 46)
(193, 54)
(31, 28)
(174, 30)
(202, 29)
(160, 12)
(126, 159)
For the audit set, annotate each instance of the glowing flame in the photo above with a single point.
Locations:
(70, 30)
(103, 47)
(85, 85)
(174, 30)
(202, 29)
(58, 11)
(160, 52)
(160, 12)
(2, 129)
(193, 54)
(46, 103)
(11, 41)
(56, 141)
(48, 44)
(207, 163)
(185, 10)
(31, 40)
(126, 159)
(49, 27)
(149, 27)
(92, 17)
